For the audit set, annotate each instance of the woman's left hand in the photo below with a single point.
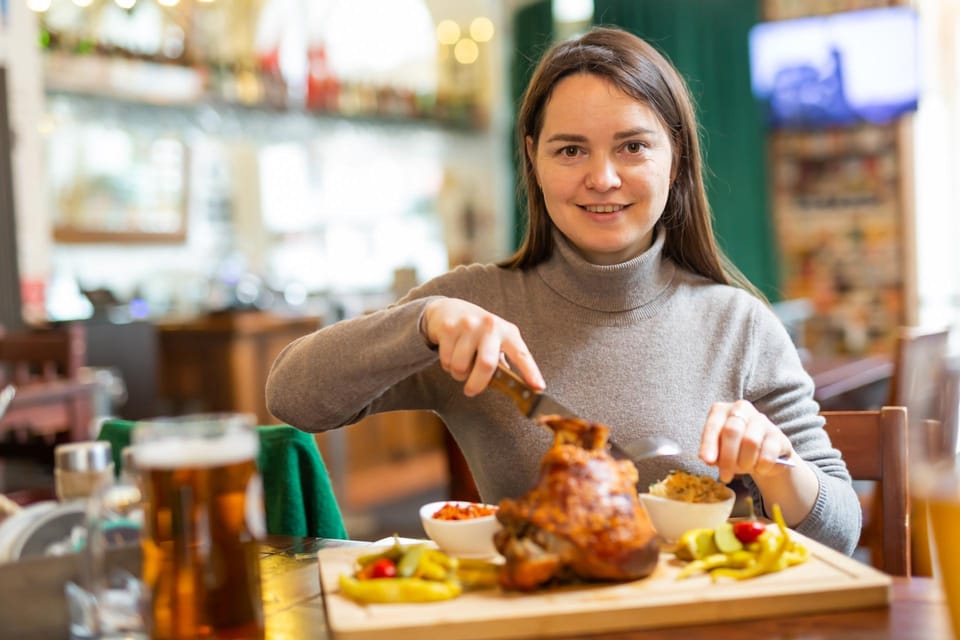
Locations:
(740, 440)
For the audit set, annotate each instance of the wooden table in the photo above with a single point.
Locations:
(294, 609)
(32, 605)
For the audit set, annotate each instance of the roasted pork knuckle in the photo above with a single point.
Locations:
(582, 521)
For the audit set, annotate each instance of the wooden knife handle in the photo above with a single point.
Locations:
(508, 382)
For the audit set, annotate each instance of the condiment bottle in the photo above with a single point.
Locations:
(79, 467)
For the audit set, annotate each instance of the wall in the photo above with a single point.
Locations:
(937, 167)
(25, 92)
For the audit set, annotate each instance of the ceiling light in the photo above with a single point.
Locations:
(448, 32)
(466, 51)
(481, 29)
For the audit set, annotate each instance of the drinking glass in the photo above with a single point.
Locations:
(935, 489)
(203, 515)
(107, 602)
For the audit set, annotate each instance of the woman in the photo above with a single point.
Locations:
(618, 297)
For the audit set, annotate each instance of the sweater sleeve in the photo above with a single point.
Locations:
(376, 362)
(345, 371)
(780, 388)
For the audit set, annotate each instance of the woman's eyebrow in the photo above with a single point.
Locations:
(636, 131)
(566, 137)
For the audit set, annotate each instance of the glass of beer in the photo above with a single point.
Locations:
(203, 515)
(935, 492)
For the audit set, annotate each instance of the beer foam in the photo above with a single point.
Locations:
(186, 451)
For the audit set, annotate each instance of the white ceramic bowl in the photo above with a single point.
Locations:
(672, 518)
(470, 538)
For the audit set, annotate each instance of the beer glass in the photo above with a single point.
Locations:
(203, 514)
(935, 490)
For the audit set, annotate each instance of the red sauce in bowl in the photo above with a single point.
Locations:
(452, 511)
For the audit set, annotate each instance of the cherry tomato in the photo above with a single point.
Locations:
(748, 531)
(383, 568)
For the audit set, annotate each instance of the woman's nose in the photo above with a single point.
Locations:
(602, 175)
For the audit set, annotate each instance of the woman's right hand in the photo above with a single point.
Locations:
(470, 342)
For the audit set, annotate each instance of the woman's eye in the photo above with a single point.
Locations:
(570, 152)
(634, 147)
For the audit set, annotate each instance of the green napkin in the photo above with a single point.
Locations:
(297, 494)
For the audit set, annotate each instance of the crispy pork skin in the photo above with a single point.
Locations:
(582, 520)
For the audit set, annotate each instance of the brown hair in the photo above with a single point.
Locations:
(641, 72)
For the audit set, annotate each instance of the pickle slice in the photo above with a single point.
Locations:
(726, 540)
(696, 544)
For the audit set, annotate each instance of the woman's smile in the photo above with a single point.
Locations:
(605, 214)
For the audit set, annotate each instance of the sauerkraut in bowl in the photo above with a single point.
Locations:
(686, 487)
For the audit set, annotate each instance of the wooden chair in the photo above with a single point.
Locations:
(950, 405)
(874, 447)
(461, 486)
(918, 373)
(53, 401)
(918, 383)
(42, 355)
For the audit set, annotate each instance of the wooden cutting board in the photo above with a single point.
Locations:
(828, 581)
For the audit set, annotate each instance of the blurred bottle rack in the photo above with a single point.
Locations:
(139, 82)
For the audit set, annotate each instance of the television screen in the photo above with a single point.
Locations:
(836, 70)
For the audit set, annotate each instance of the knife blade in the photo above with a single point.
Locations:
(531, 403)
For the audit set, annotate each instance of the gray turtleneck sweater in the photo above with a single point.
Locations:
(643, 346)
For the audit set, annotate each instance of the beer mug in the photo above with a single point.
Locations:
(203, 515)
(935, 497)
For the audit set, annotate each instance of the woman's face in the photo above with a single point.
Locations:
(603, 161)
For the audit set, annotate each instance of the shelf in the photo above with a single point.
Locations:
(149, 86)
(74, 236)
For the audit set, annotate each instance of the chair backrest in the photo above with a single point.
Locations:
(874, 447)
(53, 396)
(950, 405)
(42, 355)
(918, 373)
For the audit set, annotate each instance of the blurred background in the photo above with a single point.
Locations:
(188, 185)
